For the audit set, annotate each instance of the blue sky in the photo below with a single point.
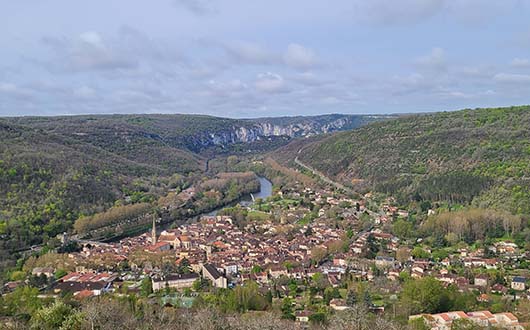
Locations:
(239, 58)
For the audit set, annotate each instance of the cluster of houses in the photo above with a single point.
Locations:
(444, 321)
(228, 255)
(85, 284)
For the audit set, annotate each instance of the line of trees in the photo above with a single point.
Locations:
(114, 215)
(473, 224)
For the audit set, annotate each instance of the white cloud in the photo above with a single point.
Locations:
(391, 12)
(230, 88)
(407, 12)
(131, 96)
(436, 60)
(87, 52)
(198, 7)
(520, 63)
(300, 57)
(271, 83)
(512, 78)
(84, 92)
(14, 91)
(250, 53)
(309, 79)
(92, 38)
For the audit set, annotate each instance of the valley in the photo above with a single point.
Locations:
(307, 225)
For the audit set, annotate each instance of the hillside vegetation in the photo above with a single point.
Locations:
(133, 135)
(479, 156)
(48, 180)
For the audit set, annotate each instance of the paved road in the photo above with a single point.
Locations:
(332, 182)
(324, 177)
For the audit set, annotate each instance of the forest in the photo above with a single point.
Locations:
(473, 156)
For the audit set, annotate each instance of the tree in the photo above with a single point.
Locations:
(402, 254)
(320, 281)
(464, 324)
(330, 293)
(419, 253)
(200, 284)
(373, 247)
(317, 318)
(22, 302)
(287, 309)
(269, 297)
(426, 295)
(256, 269)
(402, 229)
(184, 266)
(367, 298)
(51, 317)
(146, 287)
(318, 254)
(351, 298)
(355, 318)
(418, 324)
(59, 273)
(523, 310)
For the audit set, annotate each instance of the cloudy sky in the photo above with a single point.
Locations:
(241, 58)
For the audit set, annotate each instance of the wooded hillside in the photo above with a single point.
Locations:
(479, 156)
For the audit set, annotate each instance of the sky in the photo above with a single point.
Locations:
(241, 58)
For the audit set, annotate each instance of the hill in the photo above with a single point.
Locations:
(55, 169)
(47, 180)
(195, 133)
(479, 156)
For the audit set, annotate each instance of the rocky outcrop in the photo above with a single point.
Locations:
(292, 127)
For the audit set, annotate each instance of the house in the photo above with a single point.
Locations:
(443, 321)
(176, 281)
(276, 271)
(183, 241)
(334, 280)
(338, 304)
(10, 286)
(446, 278)
(481, 280)
(210, 272)
(47, 271)
(518, 283)
(484, 298)
(159, 247)
(499, 288)
(384, 262)
(418, 271)
(231, 269)
(75, 287)
(500, 320)
(303, 316)
(168, 237)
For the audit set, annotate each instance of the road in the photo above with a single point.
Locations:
(324, 177)
(332, 182)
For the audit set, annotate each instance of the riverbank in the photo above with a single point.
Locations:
(166, 221)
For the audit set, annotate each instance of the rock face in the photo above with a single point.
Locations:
(194, 133)
(252, 130)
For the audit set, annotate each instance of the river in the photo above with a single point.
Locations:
(265, 190)
(246, 200)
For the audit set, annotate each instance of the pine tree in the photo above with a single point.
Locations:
(351, 298)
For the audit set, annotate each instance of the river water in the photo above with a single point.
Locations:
(265, 191)
(246, 200)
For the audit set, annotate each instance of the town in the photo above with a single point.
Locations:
(313, 251)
